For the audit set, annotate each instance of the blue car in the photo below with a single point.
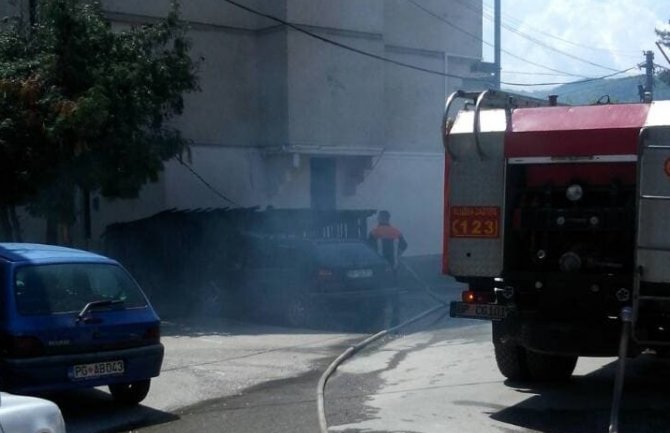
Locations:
(73, 319)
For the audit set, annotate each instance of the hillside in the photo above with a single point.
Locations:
(619, 90)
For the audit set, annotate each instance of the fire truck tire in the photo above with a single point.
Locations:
(511, 360)
(550, 368)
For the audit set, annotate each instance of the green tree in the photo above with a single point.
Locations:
(664, 39)
(85, 107)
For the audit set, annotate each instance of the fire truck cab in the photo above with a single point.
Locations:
(557, 217)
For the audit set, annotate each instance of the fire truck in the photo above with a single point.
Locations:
(557, 218)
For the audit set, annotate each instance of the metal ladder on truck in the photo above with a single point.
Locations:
(652, 249)
(651, 286)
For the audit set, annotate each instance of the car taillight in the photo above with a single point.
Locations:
(472, 297)
(24, 347)
(153, 334)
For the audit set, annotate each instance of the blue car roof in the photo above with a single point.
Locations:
(39, 253)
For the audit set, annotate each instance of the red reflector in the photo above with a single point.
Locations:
(26, 347)
(153, 333)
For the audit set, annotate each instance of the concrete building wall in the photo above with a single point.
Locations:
(335, 97)
(353, 15)
(409, 26)
(272, 70)
(273, 98)
(225, 111)
(412, 100)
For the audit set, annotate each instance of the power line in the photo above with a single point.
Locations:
(626, 53)
(510, 18)
(480, 39)
(551, 48)
(398, 63)
(601, 86)
(207, 184)
(587, 80)
(525, 36)
(549, 74)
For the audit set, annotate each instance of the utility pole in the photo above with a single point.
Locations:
(647, 93)
(497, 43)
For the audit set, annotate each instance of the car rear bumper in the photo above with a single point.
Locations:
(52, 373)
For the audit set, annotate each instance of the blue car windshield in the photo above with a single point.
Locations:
(68, 287)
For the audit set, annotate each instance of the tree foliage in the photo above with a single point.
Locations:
(84, 105)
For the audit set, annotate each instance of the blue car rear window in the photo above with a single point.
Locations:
(68, 287)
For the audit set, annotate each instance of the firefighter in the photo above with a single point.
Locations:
(389, 243)
(387, 240)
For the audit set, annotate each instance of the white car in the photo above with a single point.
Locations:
(21, 414)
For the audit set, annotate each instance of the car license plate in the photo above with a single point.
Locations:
(478, 311)
(98, 369)
(360, 273)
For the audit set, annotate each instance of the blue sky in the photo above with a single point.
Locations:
(609, 33)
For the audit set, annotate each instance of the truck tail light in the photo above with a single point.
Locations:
(469, 297)
(472, 297)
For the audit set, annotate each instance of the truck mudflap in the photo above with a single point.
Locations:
(467, 310)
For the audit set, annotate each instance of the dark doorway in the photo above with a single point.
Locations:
(322, 185)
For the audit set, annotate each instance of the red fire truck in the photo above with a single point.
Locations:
(557, 218)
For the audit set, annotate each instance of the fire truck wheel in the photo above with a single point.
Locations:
(511, 360)
(550, 368)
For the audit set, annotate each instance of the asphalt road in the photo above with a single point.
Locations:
(437, 376)
(284, 405)
(444, 380)
(206, 363)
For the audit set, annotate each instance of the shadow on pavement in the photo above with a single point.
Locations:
(583, 404)
(94, 411)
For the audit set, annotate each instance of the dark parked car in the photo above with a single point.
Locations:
(306, 281)
(73, 319)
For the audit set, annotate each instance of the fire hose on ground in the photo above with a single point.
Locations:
(626, 318)
(321, 386)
